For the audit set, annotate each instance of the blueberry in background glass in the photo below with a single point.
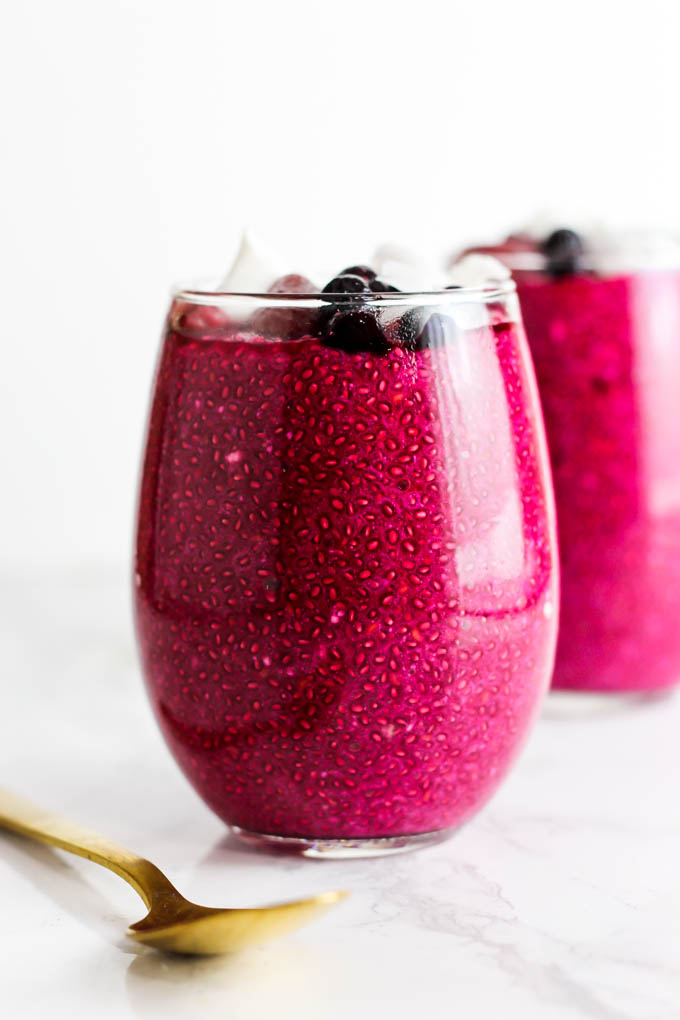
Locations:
(345, 564)
(602, 315)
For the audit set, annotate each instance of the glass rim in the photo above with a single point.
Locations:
(199, 293)
(602, 262)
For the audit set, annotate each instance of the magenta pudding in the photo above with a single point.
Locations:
(604, 330)
(345, 574)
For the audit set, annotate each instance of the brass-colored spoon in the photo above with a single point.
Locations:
(172, 924)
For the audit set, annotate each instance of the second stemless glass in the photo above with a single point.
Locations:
(606, 346)
(346, 572)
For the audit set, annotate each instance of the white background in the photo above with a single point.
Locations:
(140, 136)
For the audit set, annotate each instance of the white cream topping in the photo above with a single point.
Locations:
(476, 270)
(254, 268)
(407, 269)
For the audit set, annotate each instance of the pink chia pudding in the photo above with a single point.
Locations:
(606, 346)
(345, 573)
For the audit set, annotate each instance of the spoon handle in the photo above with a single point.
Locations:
(19, 815)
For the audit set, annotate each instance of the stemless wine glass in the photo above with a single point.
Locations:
(604, 332)
(345, 581)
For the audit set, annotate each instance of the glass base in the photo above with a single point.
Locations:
(338, 849)
(567, 703)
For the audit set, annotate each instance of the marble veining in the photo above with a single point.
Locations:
(560, 901)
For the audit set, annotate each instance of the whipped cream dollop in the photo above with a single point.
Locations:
(476, 270)
(254, 269)
(407, 269)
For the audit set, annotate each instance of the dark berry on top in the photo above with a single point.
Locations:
(564, 252)
(358, 280)
(407, 328)
(353, 287)
(324, 317)
(418, 330)
(346, 283)
(378, 287)
(355, 332)
(365, 272)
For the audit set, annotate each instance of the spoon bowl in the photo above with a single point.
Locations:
(208, 931)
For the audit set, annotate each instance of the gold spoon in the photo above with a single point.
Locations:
(173, 924)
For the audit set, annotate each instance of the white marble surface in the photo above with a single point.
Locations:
(560, 901)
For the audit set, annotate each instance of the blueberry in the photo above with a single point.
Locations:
(408, 328)
(352, 330)
(346, 283)
(355, 332)
(351, 287)
(324, 317)
(418, 331)
(378, 287)
(564, 252)
(365, 272)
